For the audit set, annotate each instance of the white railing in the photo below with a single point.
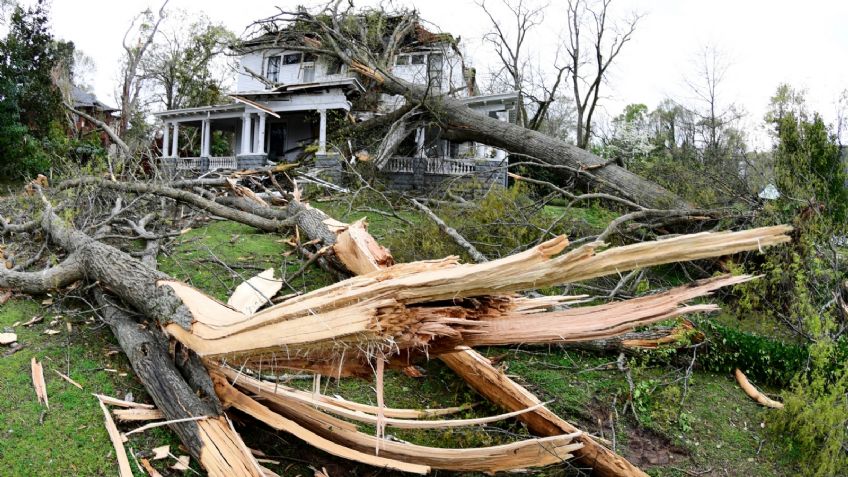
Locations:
(400, 164)
(222, 162)
(188, 163)
(450, 167)
(434, 165)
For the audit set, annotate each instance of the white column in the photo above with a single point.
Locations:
(245, 133)
(419, 142)
(166, 140)
(480, 153)
(500, 154)
(175, 143)
(260, 135)
(206, 139)
(322, 132)
(257, 140)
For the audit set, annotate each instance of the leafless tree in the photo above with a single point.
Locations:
(146, 25)
(589, 25)
(715, 118)
(509, 40)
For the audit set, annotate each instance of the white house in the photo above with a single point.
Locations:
(283, 98)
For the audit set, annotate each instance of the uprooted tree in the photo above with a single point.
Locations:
(198, 357)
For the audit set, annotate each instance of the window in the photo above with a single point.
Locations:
(309, 58)
(292, 58)
(402, 60)
(272, 72)
(418, 59)
(334, 66)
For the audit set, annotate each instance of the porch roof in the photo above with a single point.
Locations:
(305, 99)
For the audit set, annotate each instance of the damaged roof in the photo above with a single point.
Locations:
(84, 99)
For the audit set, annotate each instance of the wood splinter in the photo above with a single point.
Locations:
(755, 393)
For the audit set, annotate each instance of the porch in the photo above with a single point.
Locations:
(257, 129)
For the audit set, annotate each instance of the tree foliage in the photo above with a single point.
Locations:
(29, 100)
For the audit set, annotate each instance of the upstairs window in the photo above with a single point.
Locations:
(272, 72)
(417, 59)
(402, 60)
(292, 58)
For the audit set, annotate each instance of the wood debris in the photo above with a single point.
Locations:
(68, 379)
(137, 414)
(181, 463)
(755, 393)
(8, 338)
(161, 452)
(124, 468)
(122, 403)
(151, 471)
(38, 382)
(255, 292)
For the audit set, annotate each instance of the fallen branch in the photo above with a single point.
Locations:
(755, 393)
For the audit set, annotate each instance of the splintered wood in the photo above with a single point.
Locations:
(255, 292)
(38, 382)
(755, 393)
(393, 314)
(439, 305)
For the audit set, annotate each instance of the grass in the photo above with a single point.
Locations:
(69, 438)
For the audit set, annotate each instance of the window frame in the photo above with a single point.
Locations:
(275, 75)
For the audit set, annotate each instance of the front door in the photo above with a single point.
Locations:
(277, 142)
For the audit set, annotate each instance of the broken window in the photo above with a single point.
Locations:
(272, 72)
(402, 60)
(334, 66)
(292, 58)
(309, 58)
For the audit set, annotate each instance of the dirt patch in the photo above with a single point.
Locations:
(646, 448)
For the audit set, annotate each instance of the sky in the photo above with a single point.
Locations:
(763, 42)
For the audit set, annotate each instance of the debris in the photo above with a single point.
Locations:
(13, 349)
(34, 320)
(161, 452)
(68, 379)
(8, 338)
(182, 463)
(137, 414)
(6, 296)
(38, 382)
(51, 332)
(163, 423)
(122, 403)
(255, 292)
(754, 393)
(117, 441)
(149, 468)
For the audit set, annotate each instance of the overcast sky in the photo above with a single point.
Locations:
(766, 42)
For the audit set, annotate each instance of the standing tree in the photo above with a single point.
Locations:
(145, 25)
(29, 100)
(181, 64)
(589, 66)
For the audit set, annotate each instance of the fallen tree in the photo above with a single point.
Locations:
(347, 35)
(386, 316)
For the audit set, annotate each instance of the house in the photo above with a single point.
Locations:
(283, 99)
(88, 103)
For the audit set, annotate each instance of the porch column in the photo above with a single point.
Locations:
(500, 154)
(322, 132)
(260, 137)
(205, 139)
(175, 146)
(166, 140)
(419, 142)
(245, 133)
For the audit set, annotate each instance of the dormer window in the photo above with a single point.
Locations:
(402, 60)
(417, 59)
(272, 72)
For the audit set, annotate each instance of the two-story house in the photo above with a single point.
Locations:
(282, 100)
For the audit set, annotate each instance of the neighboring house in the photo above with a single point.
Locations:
(282, 100)
(89, 104)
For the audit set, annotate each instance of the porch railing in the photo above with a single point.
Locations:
(226, 162)
(435, 165)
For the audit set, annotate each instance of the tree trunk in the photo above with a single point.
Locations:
(596, 172)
